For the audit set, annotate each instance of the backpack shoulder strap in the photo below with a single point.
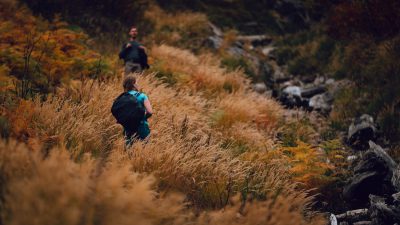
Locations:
(123, 93)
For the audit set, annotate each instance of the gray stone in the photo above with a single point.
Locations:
(396, 178)
(330, 81)
(308, 92)
(293, 90)
(216, 30)
(319, 80)
(260, 88)
(214, 42)
(321, 103)
(361, 131)
(268, 50)
(372, 175)
(381, 212)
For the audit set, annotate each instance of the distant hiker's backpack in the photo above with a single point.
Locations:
(128, 111)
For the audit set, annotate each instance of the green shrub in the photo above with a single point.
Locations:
(4, 127)
(324, 51)
(285, 54)
(232, 63)
(303, 66)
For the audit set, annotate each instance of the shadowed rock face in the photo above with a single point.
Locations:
(372, 175)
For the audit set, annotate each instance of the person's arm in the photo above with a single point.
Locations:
(149, 109)
(124, 50)
(143, 58)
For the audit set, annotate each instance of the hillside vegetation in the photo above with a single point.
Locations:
(214, 141)
(219, 153)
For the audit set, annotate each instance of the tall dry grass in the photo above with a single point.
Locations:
(237, 112)
(74, 137)
(184, 151)
(186, 30)
(57, 190)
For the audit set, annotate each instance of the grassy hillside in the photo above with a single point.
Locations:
(219, 153)
(192, 161)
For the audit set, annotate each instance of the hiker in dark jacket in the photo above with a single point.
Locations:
(134, 54)
(143, 130)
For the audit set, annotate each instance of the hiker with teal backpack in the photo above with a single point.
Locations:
(132, 109)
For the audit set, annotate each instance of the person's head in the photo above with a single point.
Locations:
(129, 83)
(133, 32)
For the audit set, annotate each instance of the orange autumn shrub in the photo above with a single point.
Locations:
(42, 54)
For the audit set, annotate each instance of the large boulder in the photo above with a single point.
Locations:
(361, 131)
(372, 175)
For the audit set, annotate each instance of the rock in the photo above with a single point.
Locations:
(260, 88)
(396, 198)
(311, 91)
(255, 40)
(321, 102)
(381, 213)
(362, 223)
(320, 80)
(361, 131)
(372, 175)
(216, 30)
(267, 51)
(236, 51)
(361, 185)
(279, 77)
(386, 159)
(214, 42)
(351, 158)
(293, 90)
(330, 81)
(266, 71)
(353, 215)
(291, 96)
(333, 220)
(396, 178)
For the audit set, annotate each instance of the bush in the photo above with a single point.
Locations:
(41, 55)
(232, 63)
(285, 54)
(303, 65)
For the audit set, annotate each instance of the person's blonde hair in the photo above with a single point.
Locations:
(129, 83)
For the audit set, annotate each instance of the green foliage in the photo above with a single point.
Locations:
(303, 66)
(5, 127)
(375, 72)
(307, 52)
(285, 54)
(299, 130)
(324, 51)
(182, 29)
(232, 63)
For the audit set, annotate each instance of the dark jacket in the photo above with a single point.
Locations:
(134, 54)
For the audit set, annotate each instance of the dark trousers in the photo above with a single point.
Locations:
(131, 67)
